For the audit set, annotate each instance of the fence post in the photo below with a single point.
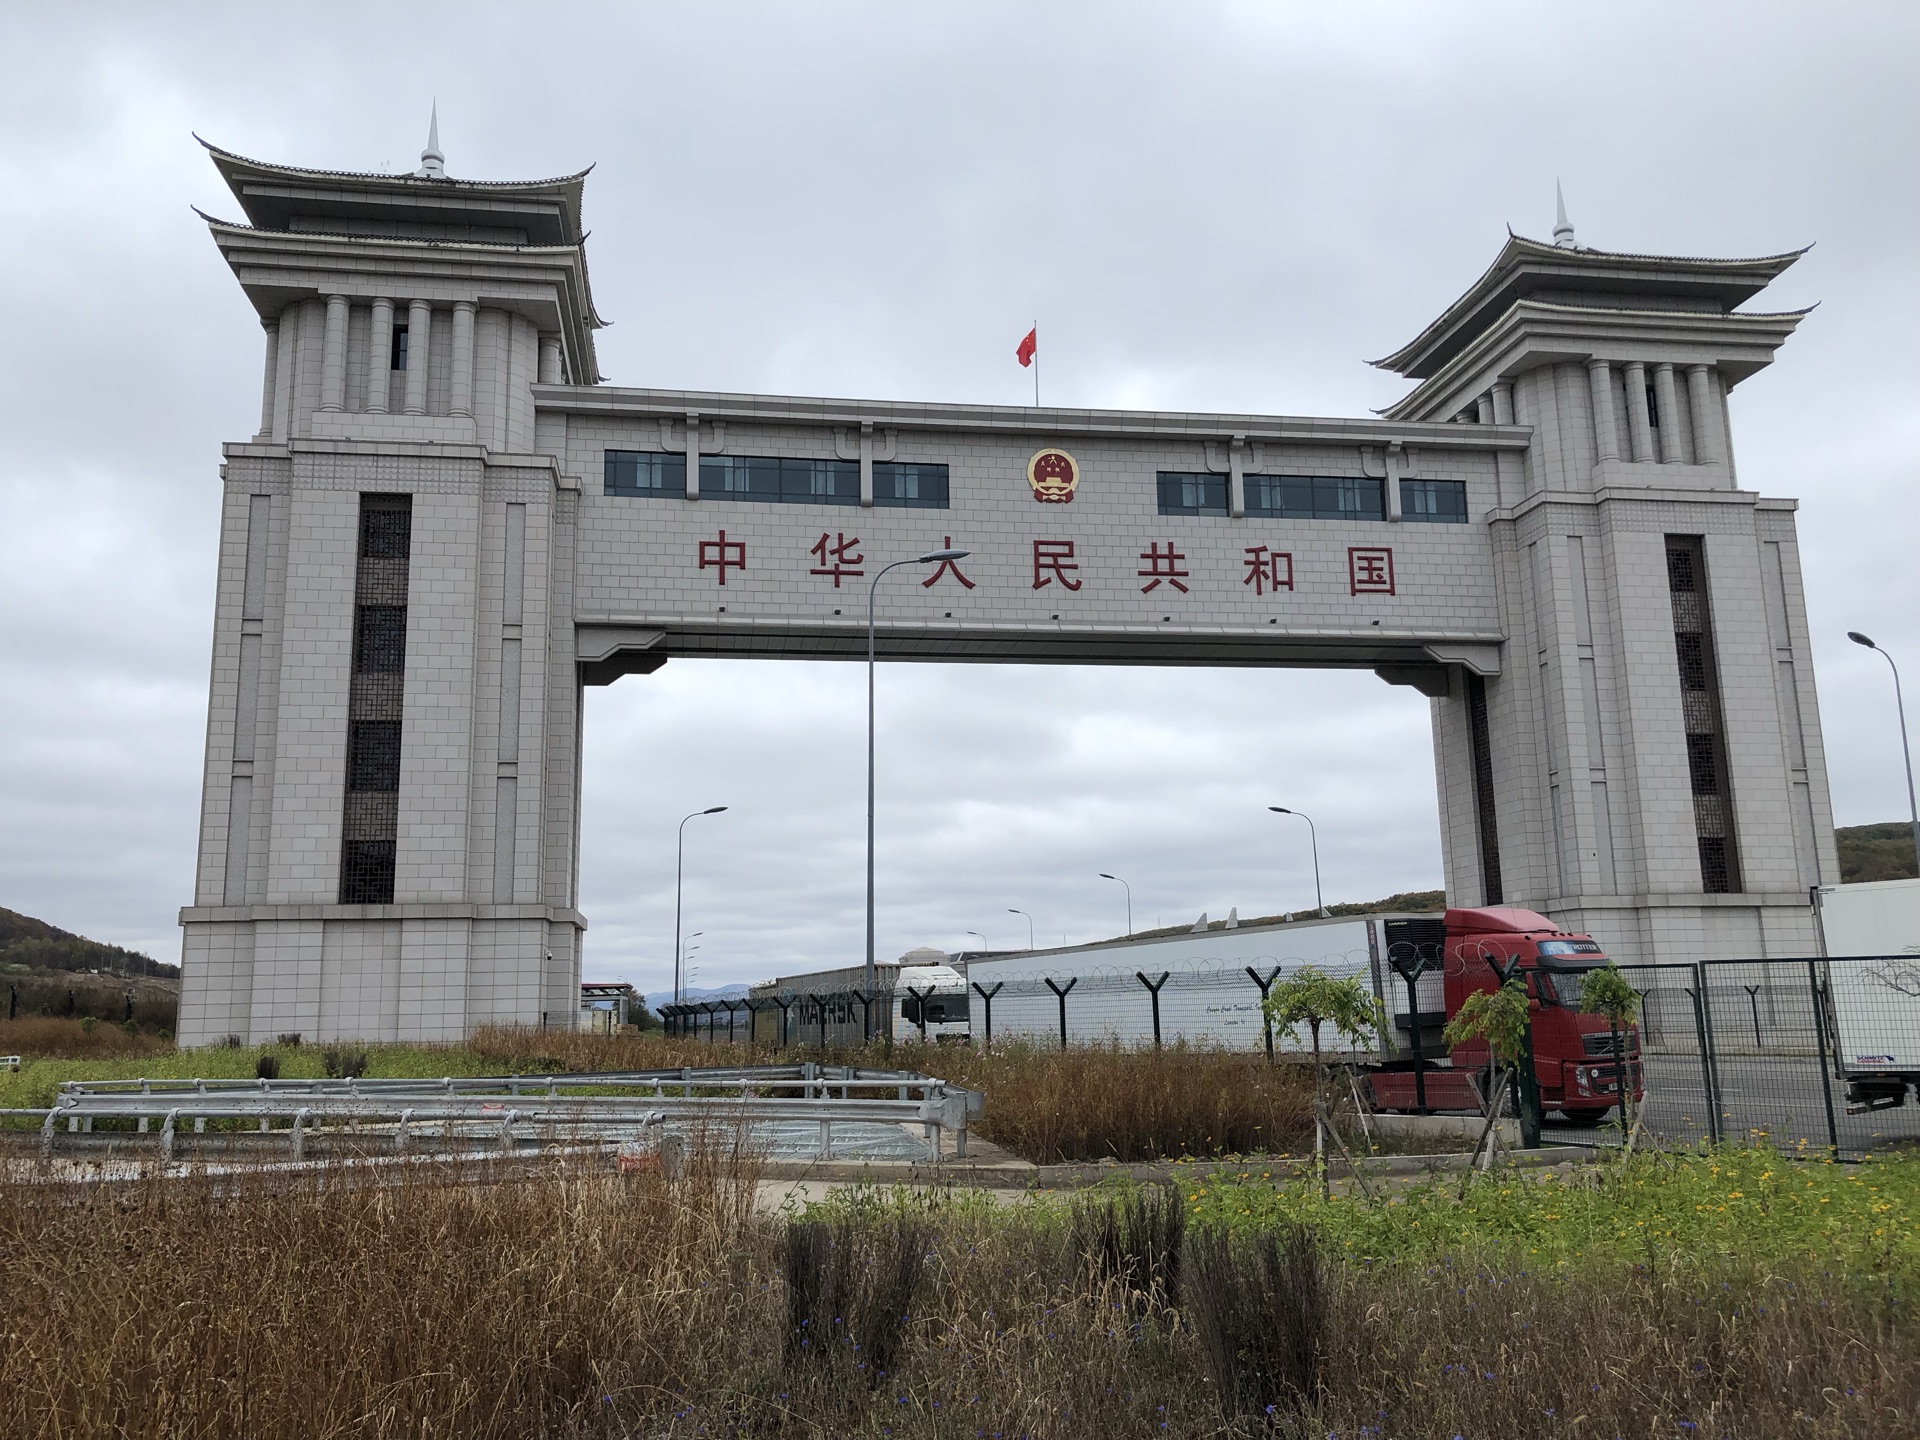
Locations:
(1706, 1062)
(921, 996)
(785, 1006)
(1753, 1003)
(986, 997)
(1526, 1079)
(1826, 1073)
(1153, 989)
(1410, 969)
(1061, 995)
(1266, 1020)
(1713, 1048)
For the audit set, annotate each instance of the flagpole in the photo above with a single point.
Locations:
(1036, 364)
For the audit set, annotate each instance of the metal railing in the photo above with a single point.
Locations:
(603, 1105)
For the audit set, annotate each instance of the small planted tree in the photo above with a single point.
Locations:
(1499, 1018)
(1320, 1001)
(1607, 992)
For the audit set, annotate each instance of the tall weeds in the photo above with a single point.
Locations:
(575, 1303)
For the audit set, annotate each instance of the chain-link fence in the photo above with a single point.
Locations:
(1801, 1053)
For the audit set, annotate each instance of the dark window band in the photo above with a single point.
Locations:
(776, 480)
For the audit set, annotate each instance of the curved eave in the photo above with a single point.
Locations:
(1756, 273)
(290, 172)
(1539, 321)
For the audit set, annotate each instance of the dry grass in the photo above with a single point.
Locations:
(59, 1039)
(586, 1305)
(1050, 1106)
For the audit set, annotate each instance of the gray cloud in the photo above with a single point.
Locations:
(1207, 207)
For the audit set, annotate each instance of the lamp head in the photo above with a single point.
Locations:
(1012, 911)
(933, 556)
(714, 811)
(1859, 639)
(1105, 876)
(1279, 809)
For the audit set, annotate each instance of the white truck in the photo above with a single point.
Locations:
(1870, 934)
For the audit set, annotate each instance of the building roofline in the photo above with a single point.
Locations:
(1440, 340)
(1733, 329)
(406, 178)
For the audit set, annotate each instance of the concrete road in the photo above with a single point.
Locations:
(1781, 1095)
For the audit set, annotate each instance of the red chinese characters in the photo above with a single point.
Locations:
(723, 555)
(838, 557)
(1052, 560)
(1268, 569)
(1369, 570)
(946, 567)
(1163, 563)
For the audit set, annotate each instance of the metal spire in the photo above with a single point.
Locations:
(433, 165)
(1562, 227)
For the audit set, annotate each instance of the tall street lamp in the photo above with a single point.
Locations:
(679, 871)
(978, 936)
(1314, 838)
(932, 557)
(1012, 911)
(1900, 705)
(1129, 890)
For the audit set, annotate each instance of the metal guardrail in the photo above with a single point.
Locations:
(496, 1104)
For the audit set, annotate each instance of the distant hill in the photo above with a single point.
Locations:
(27, 941)
(1875, 852)
(694, 997)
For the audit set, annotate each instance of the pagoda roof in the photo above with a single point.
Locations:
(407, 206)
(1578, 277)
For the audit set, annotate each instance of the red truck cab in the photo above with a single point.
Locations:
(1573, 1050)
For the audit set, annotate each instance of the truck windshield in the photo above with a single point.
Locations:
(1564, 985)
(1569, 947)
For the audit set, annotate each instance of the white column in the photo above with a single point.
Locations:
(1639, 430)
(1700, 402)
(419, 327)
(1503, 403)
(380, 356)
(461, 402)
(1663, 392)
(551, 372)
(866, 463)
(272, 327)
(1606, 444)
(693, 456)
(333, 356)
(1483, 410)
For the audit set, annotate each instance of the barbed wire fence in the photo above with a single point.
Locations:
(1726, 1050)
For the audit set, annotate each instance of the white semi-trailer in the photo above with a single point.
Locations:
(1870, 934)
(1201, 986)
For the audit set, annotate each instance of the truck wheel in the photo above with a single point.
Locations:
(1585, 1117)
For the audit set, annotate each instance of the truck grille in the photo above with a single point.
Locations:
(1601, 1046)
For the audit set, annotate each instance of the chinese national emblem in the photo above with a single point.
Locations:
(1054, 476)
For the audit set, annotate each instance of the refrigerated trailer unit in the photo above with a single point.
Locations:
(1870, 934)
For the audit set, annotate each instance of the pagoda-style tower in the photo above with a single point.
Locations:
(1647, 764)
(388, 832)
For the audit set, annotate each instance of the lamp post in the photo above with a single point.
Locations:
(1012, 911)
(679, 870)
(978, 936)
(1900, 705)
(932, 557)
(1129, 889)
(1314, 839)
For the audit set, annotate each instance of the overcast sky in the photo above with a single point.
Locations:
(1206, 207)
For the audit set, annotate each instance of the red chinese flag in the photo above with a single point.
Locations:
(1028, 346)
